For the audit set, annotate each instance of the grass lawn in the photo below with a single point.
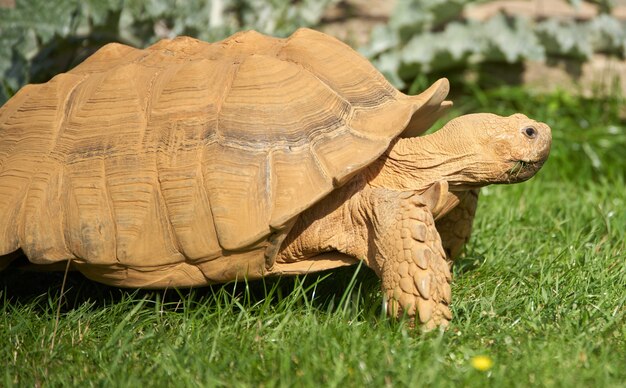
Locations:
(540, 292)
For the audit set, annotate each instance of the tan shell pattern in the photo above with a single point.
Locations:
(186, 151)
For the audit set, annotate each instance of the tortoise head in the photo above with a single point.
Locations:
(470, 151)
(498, 149)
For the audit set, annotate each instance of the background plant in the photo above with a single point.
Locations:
(435, 36)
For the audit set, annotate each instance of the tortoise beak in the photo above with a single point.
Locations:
(522, 170)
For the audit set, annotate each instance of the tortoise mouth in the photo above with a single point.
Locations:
(522, 170)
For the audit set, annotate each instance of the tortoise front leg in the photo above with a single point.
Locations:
(456, 226)
(411, 260)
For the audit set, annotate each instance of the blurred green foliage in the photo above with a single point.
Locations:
(40, 38)
(434, 36)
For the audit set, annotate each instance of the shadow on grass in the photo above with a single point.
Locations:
(323, 291)
(468, 263)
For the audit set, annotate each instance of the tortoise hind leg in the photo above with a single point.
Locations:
(412, 265)
(456, 226)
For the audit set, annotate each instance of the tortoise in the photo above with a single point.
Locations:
(190, 163)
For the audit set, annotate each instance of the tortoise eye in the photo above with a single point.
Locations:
(530, 132)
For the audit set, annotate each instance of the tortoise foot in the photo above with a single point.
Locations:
(415, 275)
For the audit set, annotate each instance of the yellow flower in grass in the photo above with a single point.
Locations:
(481, 363)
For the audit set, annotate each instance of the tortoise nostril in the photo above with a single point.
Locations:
(530, 132)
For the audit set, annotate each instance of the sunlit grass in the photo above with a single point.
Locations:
(539, 297)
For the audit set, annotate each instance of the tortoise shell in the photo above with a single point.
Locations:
(143, 161)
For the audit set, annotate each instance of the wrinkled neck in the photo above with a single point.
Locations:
(416, 163)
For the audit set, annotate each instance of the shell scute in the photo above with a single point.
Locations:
(189, 212)
(273, 102)
(340, 67)
(288, 182)
(28, 131)
(339, 161)
(108, 57)
(238, 187)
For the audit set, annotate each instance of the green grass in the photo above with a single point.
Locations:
(541, 290)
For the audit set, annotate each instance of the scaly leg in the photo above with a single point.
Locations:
(411, 260)
(456, 226)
